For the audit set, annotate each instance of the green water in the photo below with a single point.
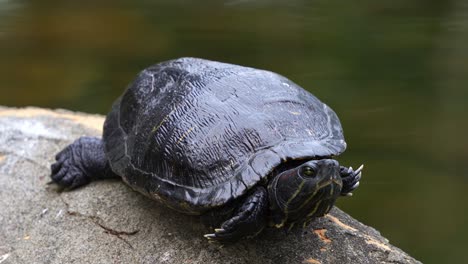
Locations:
(396, 72)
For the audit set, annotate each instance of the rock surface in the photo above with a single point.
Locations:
(107, 222)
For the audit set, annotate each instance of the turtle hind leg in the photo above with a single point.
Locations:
(80, 163)
(248, 220)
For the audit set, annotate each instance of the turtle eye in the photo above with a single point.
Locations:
(308, 171)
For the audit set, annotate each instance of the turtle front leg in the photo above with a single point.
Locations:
(248, 220)
(350, 179)
(81, 162)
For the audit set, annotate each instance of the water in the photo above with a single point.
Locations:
(394, 71)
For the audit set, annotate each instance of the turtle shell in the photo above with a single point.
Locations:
(196, 134)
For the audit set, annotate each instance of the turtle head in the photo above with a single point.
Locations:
(305, 192)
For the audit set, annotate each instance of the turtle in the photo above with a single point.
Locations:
(243, 148)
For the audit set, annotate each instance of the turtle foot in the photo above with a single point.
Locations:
(77, 164)
(350, 179)
(247, 222)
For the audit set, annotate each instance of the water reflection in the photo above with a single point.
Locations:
(394, 71)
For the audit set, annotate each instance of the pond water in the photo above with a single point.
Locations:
(396, 72)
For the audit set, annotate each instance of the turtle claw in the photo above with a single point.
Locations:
(210, 236)
(358, 171)
(357, 178)
(355, 186)
(216, 236)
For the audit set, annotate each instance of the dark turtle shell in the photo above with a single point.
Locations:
(196, 134)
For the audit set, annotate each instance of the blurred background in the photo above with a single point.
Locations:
(396, 72)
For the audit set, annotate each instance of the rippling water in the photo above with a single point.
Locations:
(396, 72)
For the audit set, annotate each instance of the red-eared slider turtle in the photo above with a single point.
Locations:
(244, 148)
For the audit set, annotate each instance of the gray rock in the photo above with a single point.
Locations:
(107, 222)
